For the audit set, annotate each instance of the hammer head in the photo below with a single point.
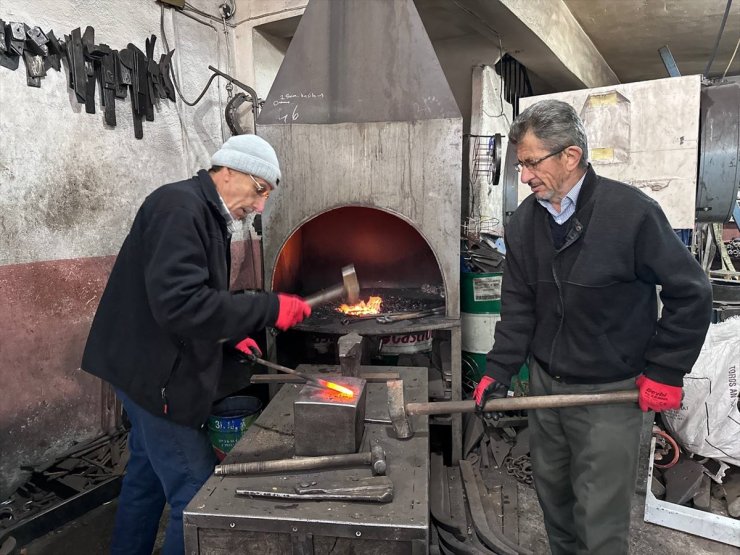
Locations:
(351, 285)
(377, 460)
(397, 410)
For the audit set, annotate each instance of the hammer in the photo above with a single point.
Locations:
(349, 289)
(375, 458)
(400, 411)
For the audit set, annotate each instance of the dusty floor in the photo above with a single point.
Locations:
(645, 538)
(91, 534)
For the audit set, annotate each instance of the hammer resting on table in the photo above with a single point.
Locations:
(375, 458)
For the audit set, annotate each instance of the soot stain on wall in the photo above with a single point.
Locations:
(78, 195)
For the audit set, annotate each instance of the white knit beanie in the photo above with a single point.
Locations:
(249, 154)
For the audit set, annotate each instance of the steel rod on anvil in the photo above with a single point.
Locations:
(301, 375)
(525, 403)
(370, 377)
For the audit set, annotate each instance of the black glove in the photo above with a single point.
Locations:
(488, 388)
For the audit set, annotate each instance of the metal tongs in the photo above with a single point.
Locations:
(390, 318)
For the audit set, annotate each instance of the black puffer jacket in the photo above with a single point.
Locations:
(588, 311)
(159, 330)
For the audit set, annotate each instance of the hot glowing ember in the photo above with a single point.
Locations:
(347, 392)
(371, 307)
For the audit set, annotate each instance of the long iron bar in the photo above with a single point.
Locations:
(297, 463)
(525, 403)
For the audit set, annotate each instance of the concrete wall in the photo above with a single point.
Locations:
(553, 23)
(69, 189)
(490, 114)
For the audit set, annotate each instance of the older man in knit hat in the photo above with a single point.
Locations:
(163, 323)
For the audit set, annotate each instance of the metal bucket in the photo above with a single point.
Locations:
(480, 309)
(229, 419)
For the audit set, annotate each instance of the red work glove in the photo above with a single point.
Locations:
(488, 388)
(292, 310)
(658, 396)
(249, 346)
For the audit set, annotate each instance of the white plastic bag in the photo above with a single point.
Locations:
(708, 422)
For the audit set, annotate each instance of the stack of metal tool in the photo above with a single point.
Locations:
(484, 255)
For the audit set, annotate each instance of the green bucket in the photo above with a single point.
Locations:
(480, 308)
(229, 419)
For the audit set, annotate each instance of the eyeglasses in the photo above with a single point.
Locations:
(530, 165)
(262, 190)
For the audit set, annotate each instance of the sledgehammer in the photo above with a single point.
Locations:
(400, 411)
(349, 289)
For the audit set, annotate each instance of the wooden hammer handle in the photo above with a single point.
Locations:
(524, 403)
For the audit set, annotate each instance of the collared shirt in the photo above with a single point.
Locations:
(232, 224)
(567, 205)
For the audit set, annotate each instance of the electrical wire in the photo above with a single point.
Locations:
(229, 84)
(172, 70)
(732, 59)
(201, 13)
(500, 57)
(269, 14)
(719, 37)
(480, 19)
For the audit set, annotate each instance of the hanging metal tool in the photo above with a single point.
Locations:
(230, 113)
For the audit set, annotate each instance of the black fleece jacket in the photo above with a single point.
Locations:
(588, 311)
(161, 323)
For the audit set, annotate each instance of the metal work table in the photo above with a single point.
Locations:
(217, 521)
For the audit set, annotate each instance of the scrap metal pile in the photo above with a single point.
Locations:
(86, 476)
(484, 254)
(474, 506)
(703, 483)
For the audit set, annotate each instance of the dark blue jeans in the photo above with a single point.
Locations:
(169, 463)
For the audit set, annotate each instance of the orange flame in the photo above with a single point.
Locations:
(347, 392)
(371, 307)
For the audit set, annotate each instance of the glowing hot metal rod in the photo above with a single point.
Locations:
(309, 379)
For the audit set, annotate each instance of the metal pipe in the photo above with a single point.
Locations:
(370, 377)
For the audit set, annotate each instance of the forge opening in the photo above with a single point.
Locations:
(388, 253)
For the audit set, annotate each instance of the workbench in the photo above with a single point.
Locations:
(218, 522)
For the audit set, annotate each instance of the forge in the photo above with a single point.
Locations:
(369, 138)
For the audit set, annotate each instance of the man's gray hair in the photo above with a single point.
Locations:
(553, 122)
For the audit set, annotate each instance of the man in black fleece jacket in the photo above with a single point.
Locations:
(579, 304)
(161, 327)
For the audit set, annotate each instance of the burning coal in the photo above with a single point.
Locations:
(362, 308)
